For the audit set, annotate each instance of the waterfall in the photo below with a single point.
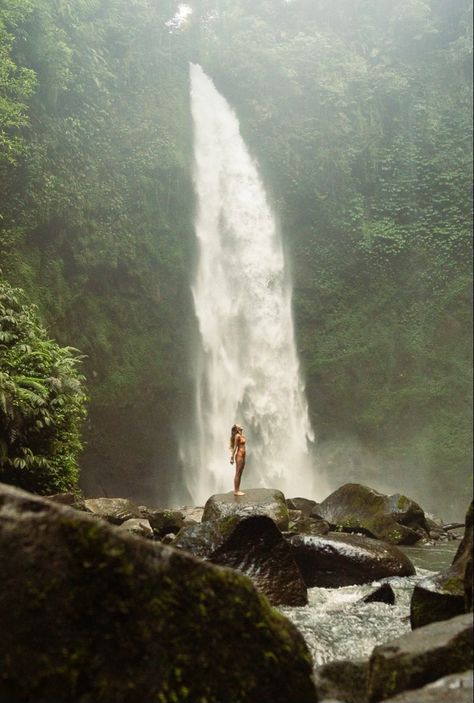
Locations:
(246, 367)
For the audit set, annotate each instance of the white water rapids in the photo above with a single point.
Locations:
(246, 367)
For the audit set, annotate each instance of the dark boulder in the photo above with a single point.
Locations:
(304, 524)
(382, 594)
(255, 547)
(343, 680)
(463, 560)
(113, 510)
(420, 657)
(163, 521)
(449, 593)
(304, 504)
(355, 508)
(256, 501)
(437, 597)
(91, 614)
(456, 688)
(335, 559)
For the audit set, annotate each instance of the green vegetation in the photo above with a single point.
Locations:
(360, 116)
(42, 402)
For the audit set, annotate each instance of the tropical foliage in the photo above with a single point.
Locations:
(42, 401)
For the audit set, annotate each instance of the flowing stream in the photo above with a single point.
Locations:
(246, 365)
(336, 625)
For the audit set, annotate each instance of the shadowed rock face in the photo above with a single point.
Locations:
(335, 560)
(449, 593)
(256, 501)
(420, 657)
(456, 688)
(382, 594)
(343, 680)
(395, 519)
(255, 547)
(91, 614)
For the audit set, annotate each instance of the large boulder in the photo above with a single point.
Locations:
(305, 505)
(456, 688)
(448, 593)
(420, 657)
(254, 546)
(343, 680)
(114, 510)
(92, 614)
(163, 522)
(355, 508)
(256, 501)
(306, 525)
(335, 559)
(137, 526)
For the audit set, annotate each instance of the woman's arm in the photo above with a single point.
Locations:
(236, 446)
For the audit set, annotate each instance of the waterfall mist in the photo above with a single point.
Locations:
(246, 366)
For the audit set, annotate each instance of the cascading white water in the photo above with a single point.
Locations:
(247, 369)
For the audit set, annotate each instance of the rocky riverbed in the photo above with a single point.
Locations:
(108, 601)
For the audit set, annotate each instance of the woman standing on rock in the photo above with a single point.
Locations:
(237, 448)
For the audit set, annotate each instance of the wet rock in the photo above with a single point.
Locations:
(343, 680)
(73, 500)
(448, 593)
(168, 539)
(435, 529)
(163, 521)
(256, 501)
(92, 614)
(137, 526)
(336, 559)
(395, 519)
(303, 524)
(303, 504)
(203, 539)
(192, 515)
(255, 547)
(420, 657)
(382, 594)
(114, 510)
(456, 688)
(463, 559)
(437, 597)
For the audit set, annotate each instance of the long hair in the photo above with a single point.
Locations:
(233, 432)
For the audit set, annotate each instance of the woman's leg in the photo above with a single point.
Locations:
(239, 467)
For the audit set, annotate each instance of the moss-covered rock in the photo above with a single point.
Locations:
(420, 657)
(163, 521)
(395, 519)
(456, 688)
(343, 680)
(306, 525)
(449, 593)
(91, 614)
(256, 501)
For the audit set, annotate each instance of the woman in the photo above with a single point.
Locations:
(237, 448)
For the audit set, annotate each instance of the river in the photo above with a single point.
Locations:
(336, 625)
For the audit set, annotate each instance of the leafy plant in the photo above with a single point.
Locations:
(42, 401)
